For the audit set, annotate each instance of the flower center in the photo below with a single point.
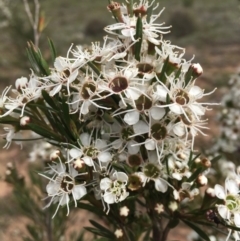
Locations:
(66, 73)
(67, 184)
(143, 103)
(181, 97)
(152, 171)
(158, 131)
(88, 89)
(126, 133)
(145, 68)
(118, 188)
(232, 202)
(118, 84)
(134, 182)
(134, 160)
(91, 151)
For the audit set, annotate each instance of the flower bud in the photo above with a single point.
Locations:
(202, 180)
(173, 206)
(118, 233)
(124, 211)
(115, 8)
(24, 120)
(210, 192)
(159, 208)
(197, 70)
(10, 165)
(205, 162)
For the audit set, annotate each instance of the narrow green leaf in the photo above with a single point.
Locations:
(49, 100)
(99, 226)
(52, 49)
(178, 72)
(91, 208)
(9, 120)
(162, 76)
(195, 174)
(65, 110)
(188, 75)
(198, 230)
(147, 235)
(138, 36)
(216, 158)
(47, 133)
(101, 233)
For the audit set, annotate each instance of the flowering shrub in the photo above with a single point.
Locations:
(123, 116)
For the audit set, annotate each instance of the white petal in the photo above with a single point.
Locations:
(55, 90)
(109, 198)
(197, 109)
(223, 211)
(177, 109)
(88, 161)
(121, 176)
(64, 200)
(132, 94)
(79, 191)
(237, 219)
(104, 157)
(132, 149)
(85, 107)
(140, 128)
(60, 64)
(73, 76)
(132, 117)
(75, 153)
(105, 183)
(73, 172)
(157, 113)
(179, 129)
(100, 144)
(52, 188)
(196, 92)
(150, 144)
(177, 176)
(160, 185)
(232, 186)
(85, 139)
(161, 93)
(219, 191)
(128, 32)
(117, 144)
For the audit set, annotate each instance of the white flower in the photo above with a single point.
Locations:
(153, 171)
(114, 188)
(230, 194)
(91, 150)
(62, 185)
(12, 134)
(127, 26)
(182, 97)
(3, 98)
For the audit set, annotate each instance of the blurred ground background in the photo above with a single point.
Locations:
(208, 29)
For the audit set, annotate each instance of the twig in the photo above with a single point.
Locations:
(34, 20)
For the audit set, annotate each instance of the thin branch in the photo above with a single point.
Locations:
(34, 20)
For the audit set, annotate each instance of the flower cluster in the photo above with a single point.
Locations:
(123, 114)
(229, 118)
